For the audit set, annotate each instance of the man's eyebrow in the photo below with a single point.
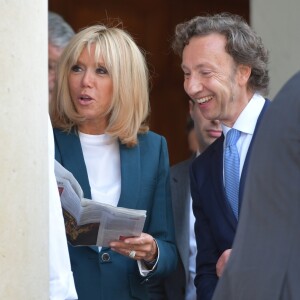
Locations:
(199, 66)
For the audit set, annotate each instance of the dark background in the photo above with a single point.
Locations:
(152, 23)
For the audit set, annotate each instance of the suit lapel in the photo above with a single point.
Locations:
(181, 195)
(130, 176)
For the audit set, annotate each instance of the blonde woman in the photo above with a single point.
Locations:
(99, 112)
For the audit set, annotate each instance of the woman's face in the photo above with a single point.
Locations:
(91, 90)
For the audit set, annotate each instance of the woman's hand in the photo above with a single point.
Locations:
(143, 247)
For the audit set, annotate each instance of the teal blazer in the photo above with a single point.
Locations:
(145, 185)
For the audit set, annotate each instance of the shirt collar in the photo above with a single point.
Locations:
(247, 119)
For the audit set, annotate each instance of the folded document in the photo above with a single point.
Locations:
(92, 223)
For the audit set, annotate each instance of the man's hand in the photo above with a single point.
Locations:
(222, 261)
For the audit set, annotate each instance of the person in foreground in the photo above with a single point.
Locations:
(264, 264)
(99, 117)
(61, 281)
(180, 284)
(59, 34)
(225, 74)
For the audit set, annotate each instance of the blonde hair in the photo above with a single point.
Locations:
(127, 68)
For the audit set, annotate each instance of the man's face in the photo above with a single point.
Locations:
(53, 56)
(213, 80)
(206, 131)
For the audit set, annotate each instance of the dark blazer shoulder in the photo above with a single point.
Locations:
(204, 160)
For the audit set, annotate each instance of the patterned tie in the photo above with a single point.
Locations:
(232, 170)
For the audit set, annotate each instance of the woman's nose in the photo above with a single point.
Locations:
(87, 79)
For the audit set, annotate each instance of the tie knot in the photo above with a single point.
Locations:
(232, 137)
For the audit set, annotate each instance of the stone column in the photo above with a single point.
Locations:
(24, 160)
(277, 22)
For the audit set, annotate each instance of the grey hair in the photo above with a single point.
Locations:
(59, 31)
(243, 44)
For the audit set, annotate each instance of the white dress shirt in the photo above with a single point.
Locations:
(246, 123)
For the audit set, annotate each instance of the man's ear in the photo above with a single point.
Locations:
(243, 74)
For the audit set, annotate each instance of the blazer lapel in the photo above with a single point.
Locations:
(70, 150)
(130, 176)
(72, 158)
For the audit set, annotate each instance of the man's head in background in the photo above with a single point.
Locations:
(191, 136)
(59, 35)
(206, 131)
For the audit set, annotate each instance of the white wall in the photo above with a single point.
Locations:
(278, 23)
(23, 148)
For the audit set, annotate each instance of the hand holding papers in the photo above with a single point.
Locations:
(89, 222)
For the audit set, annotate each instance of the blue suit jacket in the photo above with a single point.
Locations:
(144, 185)
(215, 224)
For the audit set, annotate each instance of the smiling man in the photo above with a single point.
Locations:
(225, 75)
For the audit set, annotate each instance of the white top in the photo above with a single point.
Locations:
(61, 282)
(246, 123)
(102, 159)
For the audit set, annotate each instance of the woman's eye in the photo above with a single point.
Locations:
(76, 68)
(101, 70)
